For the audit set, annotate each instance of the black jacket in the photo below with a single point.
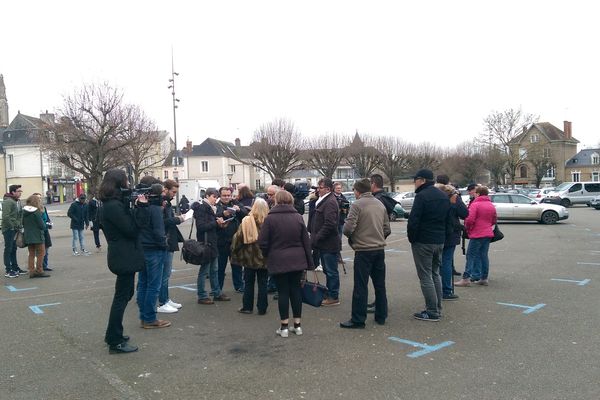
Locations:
(225, 235)
(153, 235)
(324, 233)
(121, 227)
(386, 199)
(344, 206)
(429, 220)
(206, 222)
(78, 214)
(457, 210)
(174, 237)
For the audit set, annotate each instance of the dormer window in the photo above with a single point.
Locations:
(534, 138)
(595, 158)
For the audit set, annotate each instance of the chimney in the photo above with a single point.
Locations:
(237, 142)
(188, 146)
(524, 129)
(47, 118)
(567, 129)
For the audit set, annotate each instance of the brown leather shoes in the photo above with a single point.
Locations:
(331, 302)
(222, 297)
(205, 301)
(159, 323)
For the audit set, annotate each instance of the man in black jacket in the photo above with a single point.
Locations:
(165, 304)
(230, 211)
(378, 192)
(324, 237)
(79, 217)
(207, 224)
(427, 228)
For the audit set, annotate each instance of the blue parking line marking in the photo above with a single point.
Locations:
(14, 289)
(37, 308)
(185, 287)
(528, 309)
(426, 348)
(587, 263)
(579, 283)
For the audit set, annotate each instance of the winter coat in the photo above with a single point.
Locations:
(367, 225)
(11, 213)
(206, 222)
(429, 221)
(93, 208)
(284, 241)
(174, 236)
(324, 234)
(225, 233)
(247, 255)
(33, 225)
(457, 210)
(121, 227)
(47, 227)
(78, 214)
(388, 202)
(482, 218)
(344, 206)
(153, 235)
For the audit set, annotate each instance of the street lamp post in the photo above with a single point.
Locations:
(175, 161)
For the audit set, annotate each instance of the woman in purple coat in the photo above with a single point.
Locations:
(284, 242)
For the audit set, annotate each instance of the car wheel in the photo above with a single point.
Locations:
(393, 217)
(549, 217)
(565, 202)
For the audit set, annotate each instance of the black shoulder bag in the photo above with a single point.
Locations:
(196, 253)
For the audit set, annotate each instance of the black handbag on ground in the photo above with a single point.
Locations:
(313, 293)
(498, 235)
(196, 253)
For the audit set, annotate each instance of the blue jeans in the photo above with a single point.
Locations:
(446, 272)
(211, 268)
(329, 261)
(45, 262)
(236, 270)
(149, 281)
(10, 250)
(477, 256)
(163, 294)
(78, 235)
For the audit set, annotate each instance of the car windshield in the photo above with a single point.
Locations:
(562, 186)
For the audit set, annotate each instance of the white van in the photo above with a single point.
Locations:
(569, 193)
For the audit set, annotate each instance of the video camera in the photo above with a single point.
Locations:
(153, 193)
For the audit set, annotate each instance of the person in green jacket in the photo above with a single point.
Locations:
(11, 223)
(34, 226)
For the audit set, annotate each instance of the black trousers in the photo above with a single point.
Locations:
(124, 289)
(369, 264)
(260, 276)
(288, 285)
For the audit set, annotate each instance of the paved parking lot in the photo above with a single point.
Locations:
(531, 334)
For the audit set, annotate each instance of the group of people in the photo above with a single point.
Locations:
(29, 225)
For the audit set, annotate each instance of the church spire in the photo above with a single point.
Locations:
(3, 104)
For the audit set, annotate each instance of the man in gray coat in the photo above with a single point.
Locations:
(367, 226)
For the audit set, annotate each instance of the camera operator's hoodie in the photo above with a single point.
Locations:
(153, 235)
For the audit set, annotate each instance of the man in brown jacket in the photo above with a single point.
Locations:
(367, 226)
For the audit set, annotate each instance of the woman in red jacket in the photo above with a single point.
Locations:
(480, 228)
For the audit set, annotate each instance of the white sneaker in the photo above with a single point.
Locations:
(85, 253)
(75, 253)
(167, 309)
(173, 304)
(319, 269)
(297, 331)
(282, 332)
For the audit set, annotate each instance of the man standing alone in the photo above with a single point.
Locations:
(79, 217)
(426, 229)
(11, 222)
(367, 226)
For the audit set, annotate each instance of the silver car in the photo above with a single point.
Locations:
(517, 207)
(405, 199)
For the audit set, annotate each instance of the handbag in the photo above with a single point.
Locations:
(20, 239)
(313, 293)
(498, 235)
(196, 253)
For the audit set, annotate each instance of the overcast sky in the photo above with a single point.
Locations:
(421, 70)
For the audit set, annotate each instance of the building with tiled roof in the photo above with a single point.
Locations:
(584, 166)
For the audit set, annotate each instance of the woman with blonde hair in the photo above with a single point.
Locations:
(34, 226)
(246, 252)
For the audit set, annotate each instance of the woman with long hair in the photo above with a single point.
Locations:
(125, 256)
(245, 196)
(33, 226)
(284, 241)
(246, 252)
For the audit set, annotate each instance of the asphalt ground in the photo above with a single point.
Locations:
(480, 350)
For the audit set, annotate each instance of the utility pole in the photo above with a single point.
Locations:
(175, 160)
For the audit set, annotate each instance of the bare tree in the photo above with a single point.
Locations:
(326, 152)
(494, 160)
(277, 148)
(538, 155)
(395, 158)
(425, 155)
(464, 164)
(141, 147)
(502, 128)
(90, 131)
(363, 156)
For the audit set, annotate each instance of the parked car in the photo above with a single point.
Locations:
(539, 194)
(517, 207)
(595, 202)
(398, 212)
(405, 199)
(569, 193)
